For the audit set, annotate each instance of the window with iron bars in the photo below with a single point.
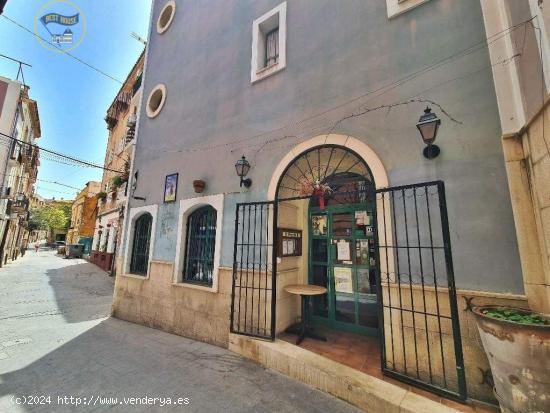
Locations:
(200, 245)
(140, 249)
(272, 47)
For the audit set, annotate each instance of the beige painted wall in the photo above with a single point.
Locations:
(528, 165)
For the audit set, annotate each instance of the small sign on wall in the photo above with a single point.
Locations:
(289, 242)
(170, 188)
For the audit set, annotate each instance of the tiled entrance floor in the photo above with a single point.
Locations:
(363, 353)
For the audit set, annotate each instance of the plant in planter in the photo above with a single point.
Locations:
(199, 185)
(517, 343)
(118, 181)
(101, 196)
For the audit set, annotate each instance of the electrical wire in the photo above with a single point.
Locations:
(61, 50)
(383, 89)
(59, 157)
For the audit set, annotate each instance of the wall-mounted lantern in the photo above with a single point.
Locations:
(428, 125)
(242, 166)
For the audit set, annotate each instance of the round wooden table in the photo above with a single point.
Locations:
(303, 329)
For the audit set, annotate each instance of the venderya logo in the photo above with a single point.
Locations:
(60, 25)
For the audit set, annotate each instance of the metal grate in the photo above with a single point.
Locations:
(421, 342)
(201, 239)
(254, 263)
(140, 249)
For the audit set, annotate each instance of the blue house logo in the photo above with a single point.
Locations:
(60, 25)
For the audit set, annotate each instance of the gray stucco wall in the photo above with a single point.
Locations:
(336, 51)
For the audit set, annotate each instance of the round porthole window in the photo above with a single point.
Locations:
(166, 16)
(156, 100)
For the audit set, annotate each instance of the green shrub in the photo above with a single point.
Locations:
(517, 316)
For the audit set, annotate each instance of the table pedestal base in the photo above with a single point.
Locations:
(297, 330)
(303, 329)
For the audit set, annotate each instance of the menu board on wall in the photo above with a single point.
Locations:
(289, 242)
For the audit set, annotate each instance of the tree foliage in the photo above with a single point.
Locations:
(51, 217)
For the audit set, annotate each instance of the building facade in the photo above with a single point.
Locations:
(121, 122)
(336, 189)
(83, 216)
(20, 161)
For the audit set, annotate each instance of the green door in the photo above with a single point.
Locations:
(341, 258)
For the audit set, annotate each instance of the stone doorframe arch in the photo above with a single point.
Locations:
(362, 149)
(379, 175)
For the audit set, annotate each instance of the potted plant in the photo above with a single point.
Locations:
(101, 196)
(199, 185)
(118, 181)
(517, 344)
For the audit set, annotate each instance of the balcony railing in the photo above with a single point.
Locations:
(21, 204)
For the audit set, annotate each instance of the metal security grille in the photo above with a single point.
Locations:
(254, 264)
(420, 338)
(201, 239)
(140, 248)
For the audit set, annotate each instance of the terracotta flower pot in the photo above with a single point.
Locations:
(519, 355)
(199, 185)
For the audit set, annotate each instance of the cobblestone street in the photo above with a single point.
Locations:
(57, 340)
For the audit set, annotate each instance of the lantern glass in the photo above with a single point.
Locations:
(242, 167)
(428, 126)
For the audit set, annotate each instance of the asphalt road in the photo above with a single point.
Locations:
(60, 351)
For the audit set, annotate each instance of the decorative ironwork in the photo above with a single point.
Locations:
(201, 239)
(420, 338)
(254, 264)
(419, 325)
(140, 249)
(322, 171)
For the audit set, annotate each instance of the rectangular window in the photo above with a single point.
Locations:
(272, 47)
(397, 7)
(269, 43)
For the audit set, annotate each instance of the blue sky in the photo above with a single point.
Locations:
(72, 98)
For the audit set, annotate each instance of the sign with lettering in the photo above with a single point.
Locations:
(289, 242)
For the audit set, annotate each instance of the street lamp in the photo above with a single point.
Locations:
(428, 125)
(242, 166)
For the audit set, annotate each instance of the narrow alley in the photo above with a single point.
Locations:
(57, 340)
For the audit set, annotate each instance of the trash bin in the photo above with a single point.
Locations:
(74, 250)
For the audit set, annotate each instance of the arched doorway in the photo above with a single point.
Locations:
(337, 187)
(328, 195)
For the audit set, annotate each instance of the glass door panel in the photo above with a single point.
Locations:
(320, 302)
(342, 260)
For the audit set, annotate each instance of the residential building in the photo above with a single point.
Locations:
(121, 122)
(20, 126)
(83, 216)
(337, 192)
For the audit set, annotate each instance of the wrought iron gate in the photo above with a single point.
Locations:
(419, 326)
(420, 331)
(254, 264)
